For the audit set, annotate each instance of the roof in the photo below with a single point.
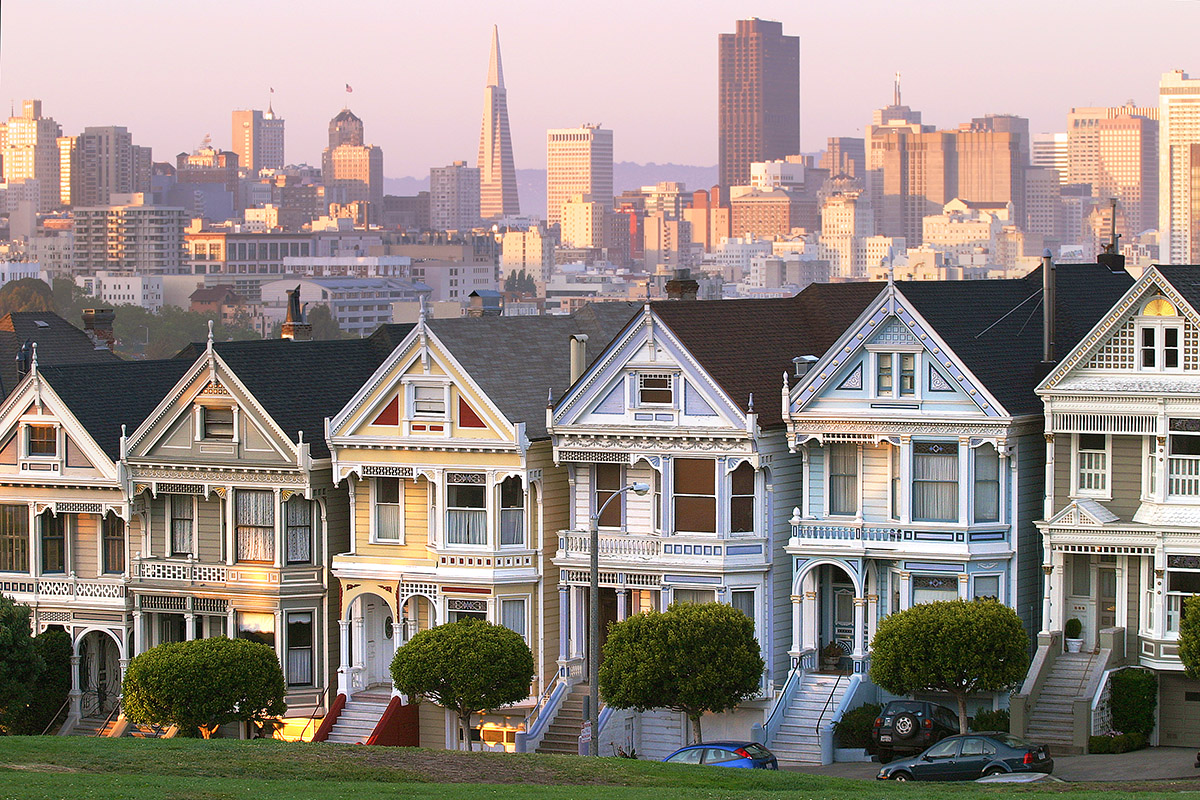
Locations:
(1186, 280)
(105, 396)
(995, 326)
(747, 345)
(214, 294)
(301, 383)
(58, 342)
(520, 362)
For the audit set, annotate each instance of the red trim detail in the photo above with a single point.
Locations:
(466, 589)
(467, 418)
(390, 414)
(398, 727)
(330, 719)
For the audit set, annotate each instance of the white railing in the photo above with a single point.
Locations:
(74, 587)
(611, 546)
(179, 571)
(512, 526)
(1183, 476)
(847, 533)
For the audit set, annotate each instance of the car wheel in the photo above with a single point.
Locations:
(905, 726)
(990, 771)
(902, 776)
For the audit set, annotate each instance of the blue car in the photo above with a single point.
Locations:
(970, 757)
(747, 755)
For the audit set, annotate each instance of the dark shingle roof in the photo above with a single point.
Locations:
(747, 345)
(58, 342)
(1186, 280)
(520, 361)
(103, 397)
(301, 383)
(995, 326)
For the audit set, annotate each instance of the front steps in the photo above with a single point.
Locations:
(1052, 719)
(562, 735)
(797, 740)
(359, 717)
(93, 726)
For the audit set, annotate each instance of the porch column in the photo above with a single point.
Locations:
(279, 526)
(622, 604)
(797, 613)
(1047, 573)
(1122, 620)
(964, 585)
(189, 626)
(230, 528)
(139, 633)
(905, 590)
(1160, 570)
(860, 614)
(872, 617)
(1057, 579)
(35, 542)
(344, 660)
(360, 624)
(124, 665)
(76, 694)
(809, 629)
(564, 622)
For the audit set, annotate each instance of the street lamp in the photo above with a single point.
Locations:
(594, 615)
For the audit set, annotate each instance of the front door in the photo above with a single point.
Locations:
(1106, 604)
(843, 617)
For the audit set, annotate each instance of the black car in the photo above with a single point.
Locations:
(970, 757)
(907, 727)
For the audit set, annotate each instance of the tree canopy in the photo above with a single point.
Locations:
(1189, 637)
(26, 294)
(49, 692)
(955, 646)
(693, 658)
(202, 684)
(20, 663)
(465, 666)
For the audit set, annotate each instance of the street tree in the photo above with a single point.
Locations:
(1189, 637)
(26, 294)
(20, 663)
(467, 667)
(202, 684)
(693, 658)
(958, 646)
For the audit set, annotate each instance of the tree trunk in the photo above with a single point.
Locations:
(464, 720)
(696, 737)
(961, 697)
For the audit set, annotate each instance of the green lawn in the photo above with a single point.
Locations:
(33, 768)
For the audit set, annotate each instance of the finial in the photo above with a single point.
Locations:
(423, 310)
(299, 437)
(33, 361)
(785, 380)
(210, 334)
(549, 396)
(750, 405)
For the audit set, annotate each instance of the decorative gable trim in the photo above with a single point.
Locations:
(37, 396)
(854, 380)
(1083, 512)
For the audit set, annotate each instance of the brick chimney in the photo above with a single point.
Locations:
(296, 326)
(98, 325)
(682, 287)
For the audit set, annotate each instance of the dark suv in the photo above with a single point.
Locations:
(907, 727)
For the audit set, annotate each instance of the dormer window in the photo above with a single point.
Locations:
(895, 374)
(1159, 337)
(42, 441)
(218, 423)
(428, 402)
(654, 389)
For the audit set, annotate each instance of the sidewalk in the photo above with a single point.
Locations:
(1152, 763)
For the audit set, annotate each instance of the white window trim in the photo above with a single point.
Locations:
(1108, 471)
(895, 352)
(594, 503)
(23, 445)
(527, 601)
(895, 492)
(1158, 324)
(314, 648)
(1002, 493)
(827, 466)
(374, 532)
(725, 524)
(1001, 584)
(431, 381)
(756, 618)
(963, 501)
(672, 375)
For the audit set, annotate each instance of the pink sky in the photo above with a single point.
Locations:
(172, 72)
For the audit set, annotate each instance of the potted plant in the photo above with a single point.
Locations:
(831, 656)
(1073, 631)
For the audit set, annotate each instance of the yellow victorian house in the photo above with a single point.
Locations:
(455, 503)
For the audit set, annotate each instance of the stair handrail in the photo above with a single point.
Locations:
(318, 706)
(115, 712)
(50, 724)
(536, 724)
(825, 738)
(543, 698)
(828, 701)
(764, 732)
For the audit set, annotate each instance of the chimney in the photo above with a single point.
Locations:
(1111, 257)
(682, 287)
(1047, 308)
(295, 326)
(24, 357)
(98, 325)
(578, 355)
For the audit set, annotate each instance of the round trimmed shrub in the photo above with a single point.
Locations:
(854, 728)
(988, 720)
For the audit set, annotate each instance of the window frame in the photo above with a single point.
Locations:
(107, 522)
(28, 439)
(288, 527)
(829, 476)
(205, 414)
(999, 576)
(640, 387)
(57, 524)
(523, 490)
(734, 497)
(915, 482)
(238, 525)
(411, 400)
(14, 545)
(677, 495)
(975, 486)
(288, 647)
(172, 519)
(376, 527)
(483, 485)
(897, 374)
(524, 600)
(1158, 326)
(597, 501)
(1076, 451)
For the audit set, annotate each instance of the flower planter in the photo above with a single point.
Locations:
(1074, 645)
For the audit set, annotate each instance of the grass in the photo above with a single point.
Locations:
(33, 768)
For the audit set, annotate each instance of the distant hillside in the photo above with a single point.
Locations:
(531, 183)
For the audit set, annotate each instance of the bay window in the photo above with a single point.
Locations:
(608, 481)
(466, 508)
(512, 512)
(512, 614)
(298, 513)
(935, 482)
(388, 510)
(695, 495)
(741, 501)
(843, 479)
(112, 533)
(181, 522)
(54, 542)
(14, 538)
(987, 484)
(255, 520)
(256, 626)
(1091, 464)
(299, 648)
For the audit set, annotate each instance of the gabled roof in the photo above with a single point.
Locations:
(519, 361)
(1185, 279)
(301, 383)
(747, 345)
(58, 341)
(103, 397)
(995, 326)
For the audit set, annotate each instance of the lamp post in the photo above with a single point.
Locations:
(594, 614)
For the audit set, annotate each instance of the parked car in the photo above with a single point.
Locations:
(970, 757)
(907, 727)
(748, 755)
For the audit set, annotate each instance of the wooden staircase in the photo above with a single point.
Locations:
(797, 741)
(359, 717)
(1052, 719)
(562, 735)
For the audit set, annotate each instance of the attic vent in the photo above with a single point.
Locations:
(41, 323)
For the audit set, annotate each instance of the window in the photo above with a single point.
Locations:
(512, 615)
(218, 423)
(54, 542)
(466, 508)
(429, 401)
(299, 648)
(43, 441)
(1159, 335)
(512, 512)
(741, 501)
(695, 495)
(255, 520)
(14, 539)
(655, 389)
(112, 534)
(181, 524)
(843, 479)
(743, 601)
(935, 482)
(932, 588)
(894, 465)
(299, 530)
(608, 482)
(895, 374)
(388, 510)
(257, 627)
(693, 596)
(1091, 464)
(987, 484)
(985, 587)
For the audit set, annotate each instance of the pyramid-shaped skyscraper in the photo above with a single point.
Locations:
(497, 175)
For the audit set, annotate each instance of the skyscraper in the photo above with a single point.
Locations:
(1179, 168)
(100, 162)
(1083, 139)
(31, 152)
(258, 139)
(578, 161)
(497, 175)
(454, 197)
(758, 100)
(1049, 151)
(352, 171)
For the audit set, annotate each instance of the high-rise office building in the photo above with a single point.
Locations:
(100, 162)
(845, 157)
(130, 236)
(497, 175)
(1129, 170)
(258, 139)
(1083, 139)
(351, 170)
(1049, 151)
(454, 197)
(31, 152)
(579, 161)
(1179, 168)
(758, 98)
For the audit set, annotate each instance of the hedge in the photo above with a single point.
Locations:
(1134, 699)
(854, 728)
(1117, 743)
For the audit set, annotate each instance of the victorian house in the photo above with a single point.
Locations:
(1120, 541)
(919, 438)
(455, 504)
(686, 401)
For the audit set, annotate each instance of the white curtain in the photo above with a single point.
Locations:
(935, 482)
(181, 524)
(843, 478)
(987, 484)
(299, 530)
(466, 527)
(512, 615)
(255, 525)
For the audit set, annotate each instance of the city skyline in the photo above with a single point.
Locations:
(432, 117)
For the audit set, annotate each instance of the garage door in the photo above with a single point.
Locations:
(1179, 711)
